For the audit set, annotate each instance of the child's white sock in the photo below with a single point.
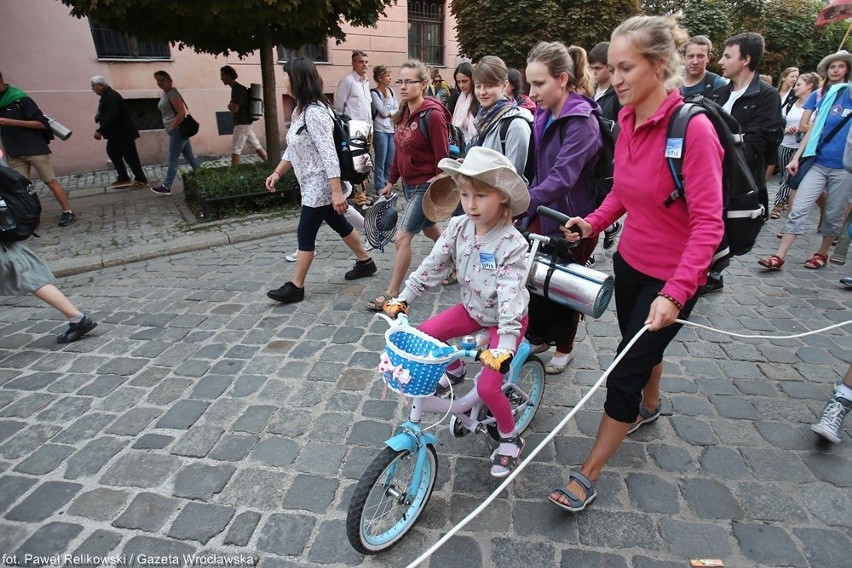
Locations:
(560, 360)
(508, 449)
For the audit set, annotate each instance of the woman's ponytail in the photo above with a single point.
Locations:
(584, 81)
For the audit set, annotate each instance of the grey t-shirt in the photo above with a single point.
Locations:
(166, 108)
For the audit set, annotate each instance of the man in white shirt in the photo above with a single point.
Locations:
(353, 92)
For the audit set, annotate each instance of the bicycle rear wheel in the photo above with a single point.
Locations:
(378, 516)
(531, 381)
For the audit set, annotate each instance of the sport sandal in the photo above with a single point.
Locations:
(575, 504)
(501, 464)
(647, 417)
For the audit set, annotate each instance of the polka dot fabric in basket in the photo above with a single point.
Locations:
(413, 362)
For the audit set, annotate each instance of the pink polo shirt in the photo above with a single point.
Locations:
(676, 243)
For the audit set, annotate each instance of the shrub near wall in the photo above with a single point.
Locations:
(218, 193)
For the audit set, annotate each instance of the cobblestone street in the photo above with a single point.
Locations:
(201, 418)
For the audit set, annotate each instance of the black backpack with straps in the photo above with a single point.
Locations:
(529, 165)
(743, 211)
(381, 97)
(605, 166)
(21, 215)
(455, 137)
(353, 152)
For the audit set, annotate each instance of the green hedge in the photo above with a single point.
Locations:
(243, 179)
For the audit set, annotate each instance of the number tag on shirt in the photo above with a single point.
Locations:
(488, 261)
(674, 147)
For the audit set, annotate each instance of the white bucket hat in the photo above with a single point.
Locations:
(486, 165)
(841, 55)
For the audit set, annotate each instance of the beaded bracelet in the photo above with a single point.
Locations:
(672, 300)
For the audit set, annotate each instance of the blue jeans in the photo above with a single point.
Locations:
(415, 220)
(384, 149)
(178, 145)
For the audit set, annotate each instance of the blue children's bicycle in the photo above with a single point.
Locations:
(396, 487)
(394, 490)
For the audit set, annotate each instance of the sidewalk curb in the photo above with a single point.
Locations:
(190, 243)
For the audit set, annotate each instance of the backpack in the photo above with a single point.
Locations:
(743, 212)
(248, 105)
(379, 93)
(603, 170)
(529, 166)
(352, 153)
(455, 136)
(20, 217)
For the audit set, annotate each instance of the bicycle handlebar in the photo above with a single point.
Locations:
(560, 218)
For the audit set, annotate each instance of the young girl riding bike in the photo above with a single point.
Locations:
(489, 254)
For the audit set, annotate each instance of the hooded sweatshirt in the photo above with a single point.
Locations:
(564, 164)
(517, 142)
(416, 158)
(674, 244)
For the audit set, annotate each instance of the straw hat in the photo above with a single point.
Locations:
(380, 221)
(484, 164)
(441, 199)
(841, 55)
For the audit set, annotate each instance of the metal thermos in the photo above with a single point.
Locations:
(256, 101)
(60, 131)
(573, 285)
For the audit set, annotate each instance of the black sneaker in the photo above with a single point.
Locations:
(289, 293)
(361, 269)
(610, 234)
(456, 379)
(161, 190)
(591, 262)
(67, 218)
(77, 330)
(713, 285)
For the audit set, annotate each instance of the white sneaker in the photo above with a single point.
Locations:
(367, 246)
(292, 257)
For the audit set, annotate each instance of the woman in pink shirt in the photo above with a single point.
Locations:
(664, 252)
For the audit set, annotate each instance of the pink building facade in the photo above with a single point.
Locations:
(52, 55)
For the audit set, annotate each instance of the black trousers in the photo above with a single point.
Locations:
(122, 150)
(634, 294)
(311, 219)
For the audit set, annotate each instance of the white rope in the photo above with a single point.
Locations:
(570, 415)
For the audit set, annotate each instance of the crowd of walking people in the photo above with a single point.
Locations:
(526, 147)
(640, 79)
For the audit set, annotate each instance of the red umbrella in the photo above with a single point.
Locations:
(836, 11)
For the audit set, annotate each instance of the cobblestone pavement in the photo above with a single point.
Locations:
(200, 418)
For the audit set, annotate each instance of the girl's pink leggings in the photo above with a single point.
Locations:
(455, 322)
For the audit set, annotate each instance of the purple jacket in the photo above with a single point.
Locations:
(564, 165)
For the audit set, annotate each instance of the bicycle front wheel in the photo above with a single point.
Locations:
(378, 515)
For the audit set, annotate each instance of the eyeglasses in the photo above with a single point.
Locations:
(408, 82)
